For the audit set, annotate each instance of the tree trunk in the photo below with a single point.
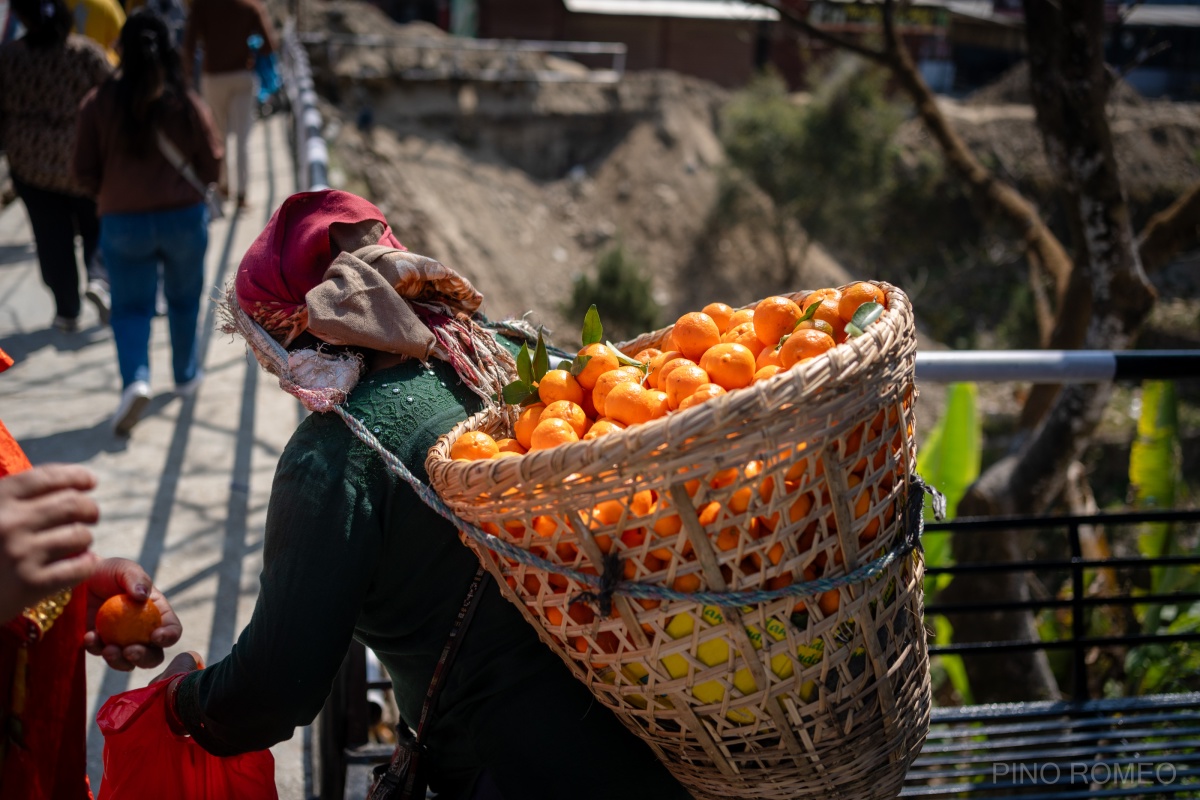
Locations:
(1070, 88)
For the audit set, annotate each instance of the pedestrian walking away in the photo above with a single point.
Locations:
(43, 76)
(224, 28)
(150, 214)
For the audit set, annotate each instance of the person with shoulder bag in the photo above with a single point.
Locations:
(148, 147)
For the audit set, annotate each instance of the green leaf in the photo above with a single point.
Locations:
(864, 316)
(1154, 474)
(567, 365)
(541, 359)
(531, 399)
(578, 364)
(808, 313)
(626, 360)
(951, 456)
(956, 670)
(516, 392)
(524, 365)
(593, 331)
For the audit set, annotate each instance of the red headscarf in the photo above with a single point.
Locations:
(291, 256)
(328, 263)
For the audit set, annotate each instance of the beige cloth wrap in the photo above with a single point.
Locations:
(365, 296)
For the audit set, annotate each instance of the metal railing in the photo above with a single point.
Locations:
(1055, 366)
(1078, 643)
(312, 154)
(459, 47)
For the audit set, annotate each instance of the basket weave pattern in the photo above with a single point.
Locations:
(798, 476)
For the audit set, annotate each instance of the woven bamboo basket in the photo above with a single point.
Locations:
(801, 477)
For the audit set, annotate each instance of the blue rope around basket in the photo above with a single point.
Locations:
(914, 527)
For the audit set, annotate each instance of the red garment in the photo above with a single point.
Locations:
(291, 256)
(52, 764)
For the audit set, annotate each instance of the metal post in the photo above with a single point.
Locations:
(1078, 629)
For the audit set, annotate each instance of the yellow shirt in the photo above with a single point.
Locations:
(101, 21)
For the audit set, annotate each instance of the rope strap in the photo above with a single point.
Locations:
(603, 587)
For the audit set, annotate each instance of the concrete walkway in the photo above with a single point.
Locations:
(186, 494)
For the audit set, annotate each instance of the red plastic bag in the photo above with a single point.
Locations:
(143, 758)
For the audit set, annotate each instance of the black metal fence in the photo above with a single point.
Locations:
(1078, 642)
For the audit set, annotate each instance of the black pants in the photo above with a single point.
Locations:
(55, 218)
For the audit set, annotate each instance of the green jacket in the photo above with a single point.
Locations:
(351, 551)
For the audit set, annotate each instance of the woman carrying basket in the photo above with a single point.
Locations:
(352, 552)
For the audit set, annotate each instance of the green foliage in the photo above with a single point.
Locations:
(1153, 477)
(1154, 459)
(1156, 668)
(951, 455)
(827, 163)
(622, 289)
(950, 460)
(530, 371)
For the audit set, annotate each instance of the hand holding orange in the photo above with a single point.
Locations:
(123, 621)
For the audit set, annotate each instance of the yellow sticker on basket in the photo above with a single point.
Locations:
(636, 673)
(776, 629)
(744, 681)
(810, 654)
(675, 665)
(713, 652)
(781, 665)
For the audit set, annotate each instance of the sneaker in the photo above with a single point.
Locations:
(97, 294)
(188, 388)
(134, 400)
(66, 324)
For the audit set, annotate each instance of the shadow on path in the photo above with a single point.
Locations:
(83, 444)
(20, 345)
(16, 253)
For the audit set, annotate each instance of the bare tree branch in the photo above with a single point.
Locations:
(1171, 230)
(803, 25)
(1144, 55)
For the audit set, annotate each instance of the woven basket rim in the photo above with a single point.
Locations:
(610, 448)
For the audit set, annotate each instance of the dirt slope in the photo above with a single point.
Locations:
(523, 240)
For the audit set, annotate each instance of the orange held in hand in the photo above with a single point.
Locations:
(123, 621)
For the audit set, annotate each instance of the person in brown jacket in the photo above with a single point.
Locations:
(223, 28)
(43, 76)
(150, 214)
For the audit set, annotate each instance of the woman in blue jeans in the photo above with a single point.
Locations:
(150, 214)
